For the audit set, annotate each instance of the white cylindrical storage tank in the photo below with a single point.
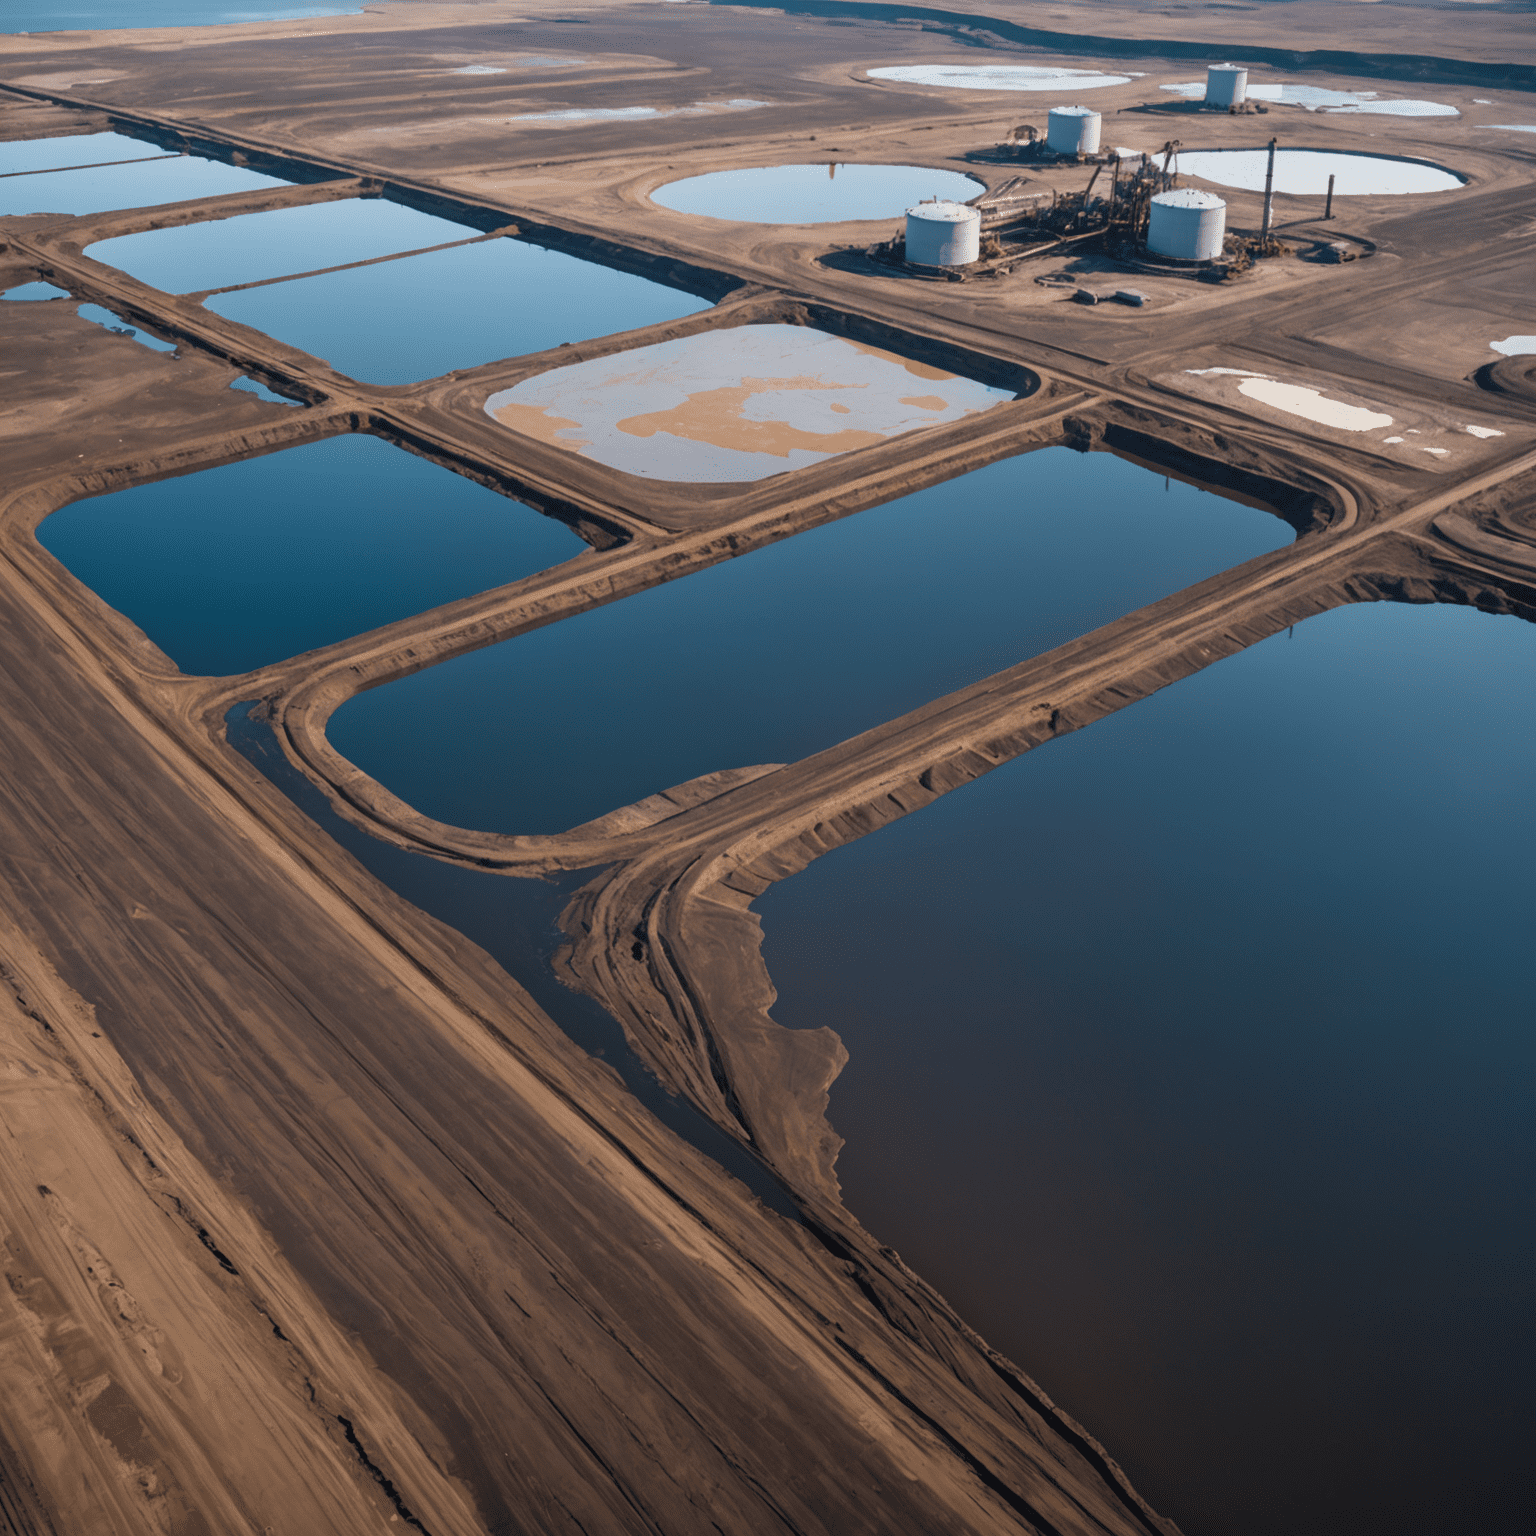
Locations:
(1073, 131)
(943, 234)
(1188, 225)
(1226, 85)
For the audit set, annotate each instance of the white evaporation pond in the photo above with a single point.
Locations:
(1305, 172)
(1314, 98)
(1515, 127)
(999, 77)
(814, 194)
(735, 404)
(636, 114)
(1515, 346)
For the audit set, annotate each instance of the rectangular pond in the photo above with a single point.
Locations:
(22, 157)
(792, 648)
(141, 184)
(231, 568)
(256, 247)
(418, 317)
(1191, 1058)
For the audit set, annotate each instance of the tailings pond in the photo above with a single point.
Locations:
(792, 648)
(231, 568)
(96, 188)
(1305, 172)
(740, 403)
(83, 15)
(998, 77)
(813, 194)
(257, 247)
(1191, 1059)
(416, 317)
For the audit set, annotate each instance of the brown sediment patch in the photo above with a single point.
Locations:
(539, 425)
(918, 370)
(926, 402)
(714, 416)
(842, 410)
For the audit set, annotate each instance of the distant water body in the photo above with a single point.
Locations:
(98, 15)
(1191, 1058)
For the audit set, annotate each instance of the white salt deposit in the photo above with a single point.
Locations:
(478, 69)
(1515, 346)
(1441, 452)
(999, 77)
(1394, 439)
(1299, 401)
(1485, 432)
(1305, 172)
(1312, 405)
(1515, 127)
(1313, 98)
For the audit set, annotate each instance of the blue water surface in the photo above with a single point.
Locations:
(230, 568)
(813, 194)
(1192, 1056)
(792, 648)
(143, 184)
(400, 321)
(253, 247)
(30, 155)
(84, 15)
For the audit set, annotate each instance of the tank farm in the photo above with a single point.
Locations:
(374, 1162)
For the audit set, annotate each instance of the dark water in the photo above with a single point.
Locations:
(31, 155)
(231, 568)
(82, 15)
(144, 183)
(1192, 1058)
(790, 649)
(514, 921)
(254, 247)
(421, 316)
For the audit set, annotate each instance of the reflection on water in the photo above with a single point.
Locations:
(142, 184)
(794, 647)
(415, 318)
(1305, 172)
(230, 568)
(254, 247)
(83, 15)
(735, 404)
(1191, 1059)
(813, 194)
